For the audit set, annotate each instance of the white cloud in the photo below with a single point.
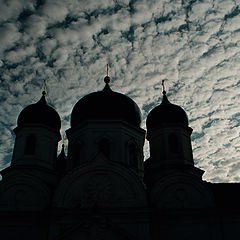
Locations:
(35, 26)
(9, 36)
(12, 9)
(19, 55)
(55, 11)
(69, 43)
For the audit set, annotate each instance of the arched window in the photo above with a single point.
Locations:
(132, 155)
(30, 145)
(76, 154)
(104, 147)
(173, 143)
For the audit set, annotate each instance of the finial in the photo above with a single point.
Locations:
(63, 146)
(61, 159)
(164, 99)
(43, 99)
(107, 78)
(163, 86)
(44, 89)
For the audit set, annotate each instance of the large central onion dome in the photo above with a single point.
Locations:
(166, 114)
(106, 105)
(40, 113)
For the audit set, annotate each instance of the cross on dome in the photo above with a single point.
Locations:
(44, 88)
(163, 87)
(107, 79)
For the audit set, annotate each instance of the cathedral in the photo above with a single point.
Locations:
(102, 188)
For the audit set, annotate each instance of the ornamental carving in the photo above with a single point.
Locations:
(98, 189)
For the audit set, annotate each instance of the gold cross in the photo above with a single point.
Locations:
(163, 86)
(45, 85)
(44, 89)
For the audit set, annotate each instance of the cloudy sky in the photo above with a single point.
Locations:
(194, 45)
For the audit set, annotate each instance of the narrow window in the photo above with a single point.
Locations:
(173, 143)
(104, 147)
(77, 155)
(133, 155)
(30, 144)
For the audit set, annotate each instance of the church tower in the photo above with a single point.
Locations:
(37, 135)
(28, 182)
(170, 171)
(169, 135)
(105, 166)
(106, 122)
(173, 183)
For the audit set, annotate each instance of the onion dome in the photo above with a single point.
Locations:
(106, 105)
(40, 113)
(166, 114)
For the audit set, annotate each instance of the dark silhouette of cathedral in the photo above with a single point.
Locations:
(103, 189)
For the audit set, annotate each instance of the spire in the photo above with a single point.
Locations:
(62, 153)
(164, 99)
(61, 159)
(107, 80)
(45, 88)
(63, 140)
(107, 69)
(163, 87)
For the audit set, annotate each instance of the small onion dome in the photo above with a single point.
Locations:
(106, 105)
(166, 114)
(61, 161)
(40, 113)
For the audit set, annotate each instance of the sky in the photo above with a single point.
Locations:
(193, 45)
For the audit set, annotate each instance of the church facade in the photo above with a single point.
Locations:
(103, 188)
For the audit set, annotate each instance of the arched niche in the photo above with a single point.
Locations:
(23, 192)
(30, 144)
(133, 154)
(104, 146)
(103, 183)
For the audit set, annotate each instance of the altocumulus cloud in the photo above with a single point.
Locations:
(193, 45)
